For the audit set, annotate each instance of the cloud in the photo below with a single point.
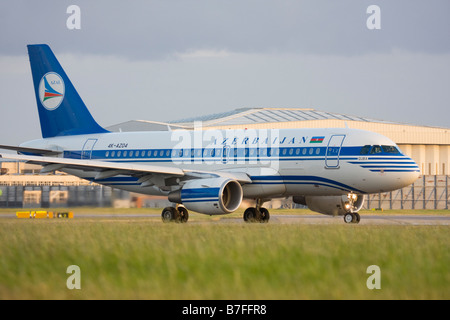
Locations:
(160, 29)
(203, 54)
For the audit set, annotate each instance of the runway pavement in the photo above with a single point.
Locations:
(372, 219)
(366, 219)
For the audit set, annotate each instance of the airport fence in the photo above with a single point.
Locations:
(428, 192)
(33, 196)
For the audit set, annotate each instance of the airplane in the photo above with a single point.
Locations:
(330, 170)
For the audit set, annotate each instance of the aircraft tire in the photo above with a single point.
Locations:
(250, 214)
(265, 216)
(169, 214)
(183, 214)
(352, 217)
(348, 218)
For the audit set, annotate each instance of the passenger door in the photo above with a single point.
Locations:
(333, 151)
(86, 153)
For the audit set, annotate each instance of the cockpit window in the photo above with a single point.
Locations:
(376, 149)
(390, 149)
(365, 149)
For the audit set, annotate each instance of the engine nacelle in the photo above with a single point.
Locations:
(332, 205)
(209, 196)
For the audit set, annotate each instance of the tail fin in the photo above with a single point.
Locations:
(61, 110)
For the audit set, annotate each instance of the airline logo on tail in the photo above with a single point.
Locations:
(51, 90)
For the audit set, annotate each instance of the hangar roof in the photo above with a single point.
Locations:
(265, 118)
(269, 115)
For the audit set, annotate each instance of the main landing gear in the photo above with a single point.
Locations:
(257, 214)
(172, 214)
(180, 214)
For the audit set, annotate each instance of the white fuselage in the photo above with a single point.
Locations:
(284, 162)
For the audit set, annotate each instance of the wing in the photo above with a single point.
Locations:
(148, 174)
(46, 152)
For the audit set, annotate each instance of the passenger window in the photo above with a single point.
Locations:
(390, 149)
(376, 149)
(365, 149)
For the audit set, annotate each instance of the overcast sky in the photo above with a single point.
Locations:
(166, 60)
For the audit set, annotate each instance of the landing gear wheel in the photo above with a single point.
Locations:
(252, 215)
(265, 216)
(169, 214)
(352, 217)
(184, 214)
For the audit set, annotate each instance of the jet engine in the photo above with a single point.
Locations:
(209, 196)
(332, 205)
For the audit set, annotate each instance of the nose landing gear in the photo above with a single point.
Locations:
(351, 216)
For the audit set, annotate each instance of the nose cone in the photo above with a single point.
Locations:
(409, 178)
(405, 174)
(392, 175)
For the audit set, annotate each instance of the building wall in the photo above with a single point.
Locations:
(46, 196)
(431, 159)
(400, 133)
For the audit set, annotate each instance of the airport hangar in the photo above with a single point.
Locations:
(428, 146)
